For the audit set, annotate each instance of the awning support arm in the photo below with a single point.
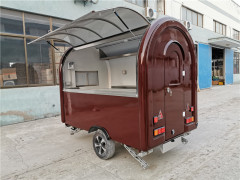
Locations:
(53, 46)
(123, 22)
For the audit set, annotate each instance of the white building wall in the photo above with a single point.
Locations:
(224, 11)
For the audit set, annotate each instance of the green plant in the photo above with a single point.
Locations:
(215, 78)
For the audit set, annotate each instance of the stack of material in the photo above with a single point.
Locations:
(39, 73)
(9, 74)
(47, 76)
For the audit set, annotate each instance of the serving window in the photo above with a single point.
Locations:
(107, 69)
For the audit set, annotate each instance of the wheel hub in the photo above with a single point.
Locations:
(100, 145)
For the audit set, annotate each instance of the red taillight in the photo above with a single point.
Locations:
(158, 131)
(155, 119)
(192, 109)
(162, 130)
(189, 120)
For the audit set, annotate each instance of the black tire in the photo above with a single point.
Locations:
(103, 147)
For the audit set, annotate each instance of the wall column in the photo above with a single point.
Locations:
(228, 66)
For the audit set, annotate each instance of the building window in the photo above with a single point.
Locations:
(13, 66)
(194, 17)
(219, 28)
(137, 2)
(36, 25)
(57, 23)
(236, 59)
(236, 34)
(11, 22)
(40, 66)
(22, 64)
(62, 47)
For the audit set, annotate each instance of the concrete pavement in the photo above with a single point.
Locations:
(43, 149)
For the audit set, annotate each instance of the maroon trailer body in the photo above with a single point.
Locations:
(135, 81)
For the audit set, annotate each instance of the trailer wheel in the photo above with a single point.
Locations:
(103, 147)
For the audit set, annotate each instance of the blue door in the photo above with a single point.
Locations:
(204, 66)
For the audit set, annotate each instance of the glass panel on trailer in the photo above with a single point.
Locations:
(40, 68)
(12, 66)
(11, 22)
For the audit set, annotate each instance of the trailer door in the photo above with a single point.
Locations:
(174, 94)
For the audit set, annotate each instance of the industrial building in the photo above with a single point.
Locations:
(29, 73)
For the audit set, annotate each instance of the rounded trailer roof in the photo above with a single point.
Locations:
(98, 25)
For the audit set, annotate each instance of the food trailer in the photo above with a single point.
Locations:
(128, 80)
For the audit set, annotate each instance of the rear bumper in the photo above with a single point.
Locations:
(173, 143)
(168, 145)
(190, 127)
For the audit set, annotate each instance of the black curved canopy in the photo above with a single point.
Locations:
(96, 26)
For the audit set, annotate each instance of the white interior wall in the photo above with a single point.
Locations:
(110, 72)
(127, 64)
(86, 60)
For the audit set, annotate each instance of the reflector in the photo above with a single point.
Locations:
(155, 119)
(160, 116)
(192, 108)
(156, 132)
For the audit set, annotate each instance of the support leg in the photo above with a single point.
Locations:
(143, 163)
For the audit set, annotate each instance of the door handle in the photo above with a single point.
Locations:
(175, 84)
(169, 91)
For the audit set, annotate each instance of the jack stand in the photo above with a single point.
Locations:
(143, 163)
(184, 140)
(74, 130)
